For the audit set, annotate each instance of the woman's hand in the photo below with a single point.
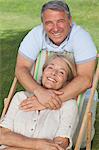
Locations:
(43, 98)
(31, 104)
(63, 142)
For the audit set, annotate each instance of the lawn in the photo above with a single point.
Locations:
(17, 17)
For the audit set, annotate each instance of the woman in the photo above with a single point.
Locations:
(42, 129)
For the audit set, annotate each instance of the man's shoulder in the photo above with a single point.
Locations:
(78, 32)
(36, 33)
(37, 29)
(82, 45)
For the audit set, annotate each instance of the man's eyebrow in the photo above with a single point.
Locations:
(48, 21)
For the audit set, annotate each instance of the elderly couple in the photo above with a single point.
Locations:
(48, 118)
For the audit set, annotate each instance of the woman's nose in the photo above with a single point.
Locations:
(54, 72)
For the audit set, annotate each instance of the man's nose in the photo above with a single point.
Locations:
(55, 28)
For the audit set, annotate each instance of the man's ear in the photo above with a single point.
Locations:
(70, 21)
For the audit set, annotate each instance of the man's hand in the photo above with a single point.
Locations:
(31, 104)
(49, 98)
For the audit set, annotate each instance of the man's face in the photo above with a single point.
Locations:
(55, 74)
(57, 25)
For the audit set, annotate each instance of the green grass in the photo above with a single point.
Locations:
(17, 17)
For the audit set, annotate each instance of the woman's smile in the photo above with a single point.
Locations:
(51, 79)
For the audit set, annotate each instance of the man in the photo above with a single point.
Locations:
(57, 33)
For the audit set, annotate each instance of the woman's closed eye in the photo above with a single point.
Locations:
(62, 72)
(50, 67)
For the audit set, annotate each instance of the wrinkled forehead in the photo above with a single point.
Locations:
(58, 62)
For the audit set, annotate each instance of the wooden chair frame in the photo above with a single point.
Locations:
(87, 116)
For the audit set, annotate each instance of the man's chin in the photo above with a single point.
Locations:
(56, 40)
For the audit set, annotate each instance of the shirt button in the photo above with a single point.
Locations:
(35, 120)
(32, 129)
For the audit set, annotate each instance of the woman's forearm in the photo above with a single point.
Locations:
(16, 141)
(16, 148)
(10, 138)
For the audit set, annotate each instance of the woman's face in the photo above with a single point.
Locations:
(55, 74)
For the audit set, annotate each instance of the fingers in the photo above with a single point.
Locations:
(31, 104)
(27, 108)
(51, 105)
(58, 92)
(52, 146)
(54, 102)
(27, 101)
(48, 144)
(26, 104)
(57, 147)
(63, 142)
(57, 101)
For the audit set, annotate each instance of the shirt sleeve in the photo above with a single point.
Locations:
(83, 46)
(32, 43)
(68, 120)
(8, 120)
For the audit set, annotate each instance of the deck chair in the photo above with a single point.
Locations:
(37, 70)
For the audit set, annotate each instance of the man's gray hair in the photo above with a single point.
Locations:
(59, 5)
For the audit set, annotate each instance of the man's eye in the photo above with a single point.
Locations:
(61, 21)
(48, 23)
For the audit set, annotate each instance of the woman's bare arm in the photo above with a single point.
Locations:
(9, 138)
(15, 140)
